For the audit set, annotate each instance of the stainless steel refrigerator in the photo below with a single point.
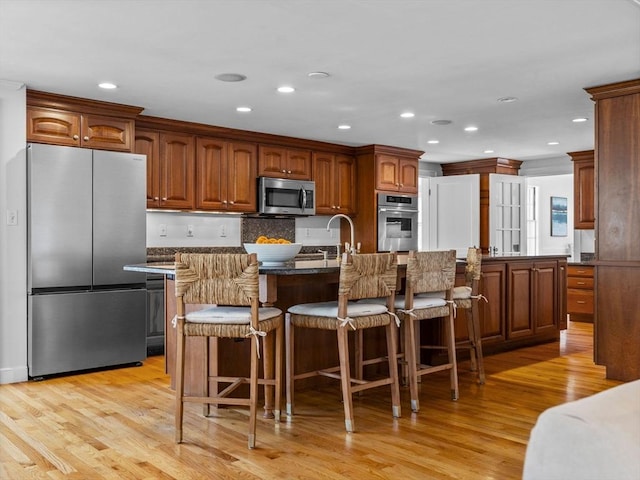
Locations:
(86, 220)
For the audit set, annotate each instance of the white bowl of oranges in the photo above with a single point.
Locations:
(273, 251)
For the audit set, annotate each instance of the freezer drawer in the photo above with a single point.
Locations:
(77, 331)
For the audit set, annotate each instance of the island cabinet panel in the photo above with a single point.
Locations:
(533, 298)
(492, 311)
(334, 176)
(225, 175)
(282, 162)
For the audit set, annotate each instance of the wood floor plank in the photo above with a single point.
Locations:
(118, 424)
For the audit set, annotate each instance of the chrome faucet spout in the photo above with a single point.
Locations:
(352, 246)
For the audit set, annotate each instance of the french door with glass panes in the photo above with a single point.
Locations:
(507, 218)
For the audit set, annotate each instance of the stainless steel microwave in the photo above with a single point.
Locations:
(281, 196)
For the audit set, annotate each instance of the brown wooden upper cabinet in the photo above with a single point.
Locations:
(46, 125)
(583, 189)
(282, 162)
(170, 168)
(334, 175)
(396, 174)
(76, 122)
(225, 175)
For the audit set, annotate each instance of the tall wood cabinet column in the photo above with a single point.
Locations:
(617, 228)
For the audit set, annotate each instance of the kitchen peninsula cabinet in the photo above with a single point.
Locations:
(76, 122)
(281, 162)
(225, 175)
(533, 289)
(525, 302)
(583, 189)
(334, 175)
(170, 168)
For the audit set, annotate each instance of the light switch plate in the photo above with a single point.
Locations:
(12, 217)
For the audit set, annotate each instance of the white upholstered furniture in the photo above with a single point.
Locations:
(594, 438)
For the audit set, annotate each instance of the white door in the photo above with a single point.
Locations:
(507, 214)
(454, 213)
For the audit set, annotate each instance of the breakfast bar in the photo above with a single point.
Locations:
(525, 305)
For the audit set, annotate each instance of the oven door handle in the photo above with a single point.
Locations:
(397, 210)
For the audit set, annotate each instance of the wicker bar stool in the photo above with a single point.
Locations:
(230, 283)
(467, 297)
(428, 296)
(361, 276)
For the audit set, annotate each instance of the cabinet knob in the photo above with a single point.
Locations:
(86, 139)
(231, 202)
(75, 137)
(284, 171)
(224, 202)
(157, 198)
(288, 171)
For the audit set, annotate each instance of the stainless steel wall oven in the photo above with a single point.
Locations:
(397, 222)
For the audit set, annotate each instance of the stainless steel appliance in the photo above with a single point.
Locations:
(279, 196)
(155, 314)
(86, 219)
(397, 222)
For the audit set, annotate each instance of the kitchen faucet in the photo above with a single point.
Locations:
(352, 245)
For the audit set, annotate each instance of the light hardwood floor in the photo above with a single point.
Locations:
(118, 424)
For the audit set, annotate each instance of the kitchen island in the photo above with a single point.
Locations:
(526, 305)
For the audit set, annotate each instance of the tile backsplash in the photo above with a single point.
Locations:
(166, 230)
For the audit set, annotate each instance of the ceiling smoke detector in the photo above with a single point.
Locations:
(230, 77)
(441, 122)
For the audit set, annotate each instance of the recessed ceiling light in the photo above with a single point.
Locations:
(580, 119)
(243, 109)
(107, 85)
(433, 142)
(286, 89)
(407, 115)
(507, 99)
(344, 127)
(553, 143)
(470, 129)
(317, 74)
(441, 122)
(230, 77)
(488, 151)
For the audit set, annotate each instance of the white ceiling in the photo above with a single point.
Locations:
(441, 59)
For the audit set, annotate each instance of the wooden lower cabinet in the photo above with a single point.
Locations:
(525, 304)
(580, 293)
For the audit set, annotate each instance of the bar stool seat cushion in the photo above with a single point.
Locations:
(230, 315)
(418, 302)
(330, 309)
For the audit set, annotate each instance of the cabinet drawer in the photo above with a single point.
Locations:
(580, 282)
(579, 271)
(579, 301)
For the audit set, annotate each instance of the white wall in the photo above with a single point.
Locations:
(553, 186)
(13, 238)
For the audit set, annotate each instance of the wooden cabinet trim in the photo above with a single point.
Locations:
(37, 98)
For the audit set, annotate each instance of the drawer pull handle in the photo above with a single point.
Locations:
(581, 301)
(581, 283)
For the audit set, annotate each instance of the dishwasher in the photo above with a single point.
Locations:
(155, 314)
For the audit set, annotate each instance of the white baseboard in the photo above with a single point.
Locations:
(14, 375)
